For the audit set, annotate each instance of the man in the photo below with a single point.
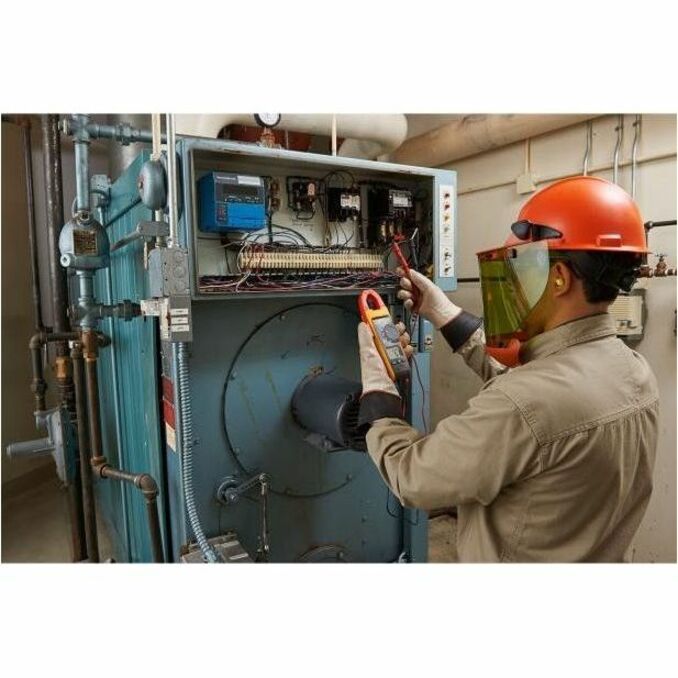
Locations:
(553, 459)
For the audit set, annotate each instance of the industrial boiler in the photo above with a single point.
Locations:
(212, 292)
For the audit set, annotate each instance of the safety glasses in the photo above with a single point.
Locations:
(526, 230)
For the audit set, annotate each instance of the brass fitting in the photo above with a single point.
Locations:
(63, 368)
(90, 345)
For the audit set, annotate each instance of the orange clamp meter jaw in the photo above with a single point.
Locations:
(374, 313)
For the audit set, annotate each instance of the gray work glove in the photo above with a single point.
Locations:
(432, 302)
(373, 372)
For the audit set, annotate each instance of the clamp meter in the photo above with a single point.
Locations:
(374, 313)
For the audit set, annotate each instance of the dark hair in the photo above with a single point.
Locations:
(603, 274)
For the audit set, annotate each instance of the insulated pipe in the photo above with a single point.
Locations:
(477, 133)
(366, 136)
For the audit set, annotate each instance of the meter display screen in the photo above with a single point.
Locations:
(388, 332)
(393, 353)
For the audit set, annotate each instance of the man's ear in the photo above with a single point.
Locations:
(561, 279)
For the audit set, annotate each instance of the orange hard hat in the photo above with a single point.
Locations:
(581, 213)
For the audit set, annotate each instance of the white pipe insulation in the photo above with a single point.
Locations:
(477, 133)
(366, 135)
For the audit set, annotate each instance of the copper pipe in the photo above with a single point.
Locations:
(99, 465)
(89, 506)
(90, 352)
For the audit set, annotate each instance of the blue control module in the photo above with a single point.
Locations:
(231, 202)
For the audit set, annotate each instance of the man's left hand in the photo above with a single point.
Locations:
(372, 368)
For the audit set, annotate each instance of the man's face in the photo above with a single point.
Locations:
(538, 318)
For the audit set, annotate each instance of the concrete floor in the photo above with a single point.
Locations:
(35, 529)
(35, 526)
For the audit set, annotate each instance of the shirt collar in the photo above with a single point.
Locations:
(569, 334)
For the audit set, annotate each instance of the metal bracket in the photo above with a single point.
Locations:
(174, 312)
(230, 490)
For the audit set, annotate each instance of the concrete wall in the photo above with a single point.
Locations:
(17, 318)
(488, 204)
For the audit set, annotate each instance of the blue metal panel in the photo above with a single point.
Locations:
(319, 499)
(128, 373)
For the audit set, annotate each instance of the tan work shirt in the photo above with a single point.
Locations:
(552, 460)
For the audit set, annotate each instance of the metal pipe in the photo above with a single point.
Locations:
(54, 210)
(89, 506)
(156, 125)
(97, 461)
(90, 354)
(149, 488)
(334, 134)
(123, 133)
(617, 149)
(32, 235)
(634, 153)
(38, 384)
(589, 144)
(649, 225)
(173, 240)
(81, 145)
(51, 147)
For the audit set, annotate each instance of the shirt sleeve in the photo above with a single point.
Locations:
(469, 457)
(466, 337)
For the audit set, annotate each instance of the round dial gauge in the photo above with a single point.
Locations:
(267, 119)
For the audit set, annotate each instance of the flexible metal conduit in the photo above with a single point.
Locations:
(183, 376)
(186, 417)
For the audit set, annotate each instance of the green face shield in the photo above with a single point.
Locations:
(513, 280)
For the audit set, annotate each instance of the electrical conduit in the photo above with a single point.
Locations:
(186, 417)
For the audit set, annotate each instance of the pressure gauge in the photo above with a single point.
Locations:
(267, 119)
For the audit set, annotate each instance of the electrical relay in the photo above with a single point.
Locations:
(231, 202)
(343, 203)
(391, 213)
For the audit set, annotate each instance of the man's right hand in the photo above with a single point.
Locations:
(432, 302)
